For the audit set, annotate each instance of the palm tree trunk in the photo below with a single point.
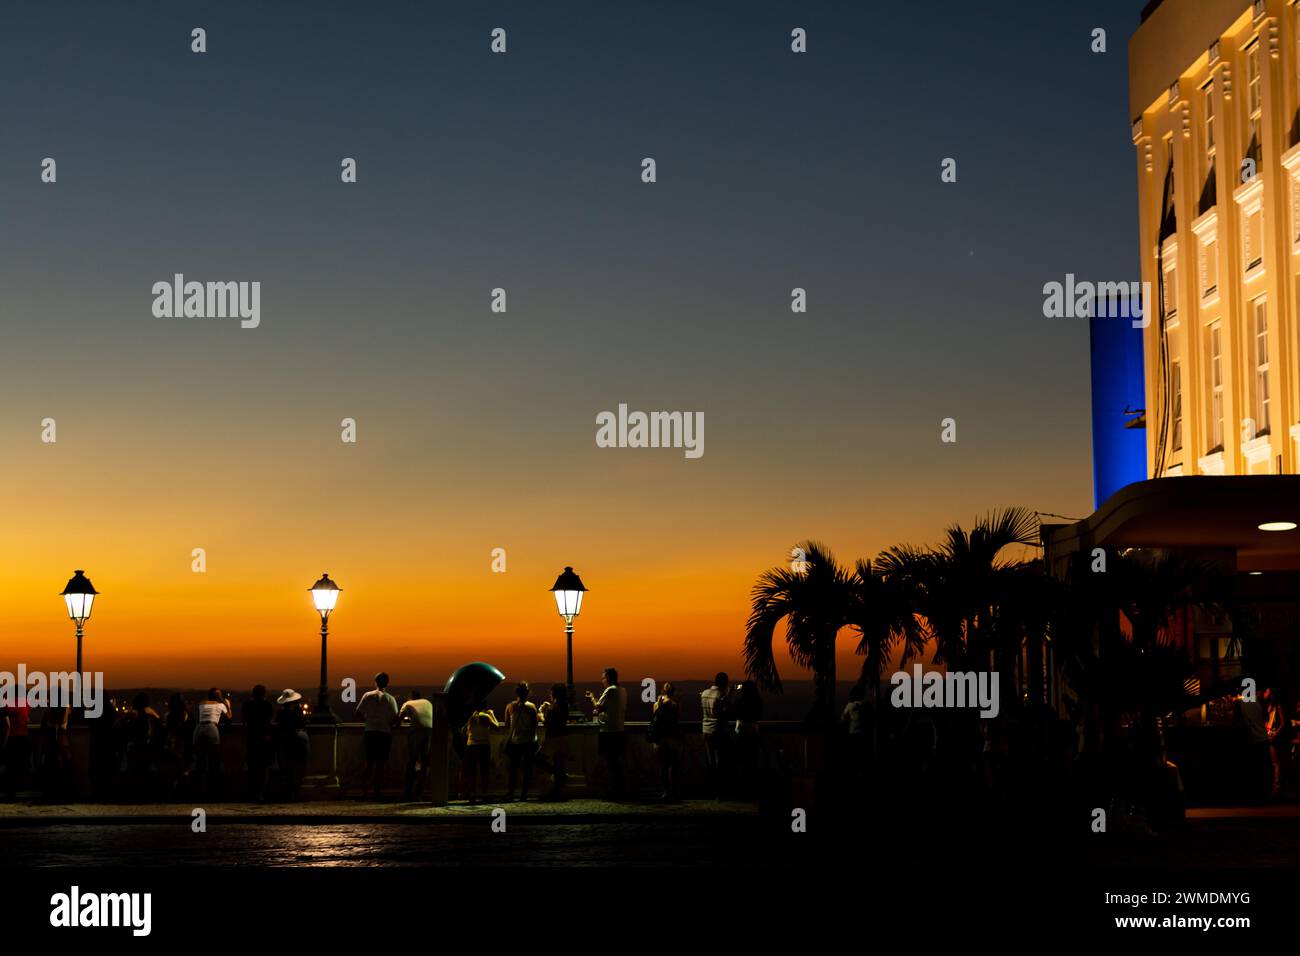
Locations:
(826, 704)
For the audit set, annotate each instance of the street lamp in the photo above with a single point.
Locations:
(568, 591)
(325, 594)
(79, 596)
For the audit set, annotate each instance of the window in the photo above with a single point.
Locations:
(1209, 269)
(1171, 293)
(1252, 236)
(1209, 130)
(1254, 102)
(1215, 352)
(1169, 164)
(1260, 350)
(1176, 389)
(1295, 212)
(1253, 99)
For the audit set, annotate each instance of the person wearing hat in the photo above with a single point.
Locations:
(259, 746)
(291, 743)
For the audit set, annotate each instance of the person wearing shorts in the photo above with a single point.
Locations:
(478, 755)
(213, 712)
(521, 739)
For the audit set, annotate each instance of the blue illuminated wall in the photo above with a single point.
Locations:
(1119, 454)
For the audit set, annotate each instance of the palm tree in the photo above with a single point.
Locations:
(1030, 608)
(884, 613)
(1152, 588)
(962, 586)
(1142, 672)
(816, 600)
(1148, 590)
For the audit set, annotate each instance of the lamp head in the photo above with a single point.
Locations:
(568, 590)
(79, 595)
(325, 594)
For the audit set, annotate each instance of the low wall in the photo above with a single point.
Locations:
(337, 761)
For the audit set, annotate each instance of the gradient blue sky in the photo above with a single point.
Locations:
(522, 171)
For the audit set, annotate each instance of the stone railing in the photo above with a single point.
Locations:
(336, 763)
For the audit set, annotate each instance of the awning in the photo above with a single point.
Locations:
(1200, 512)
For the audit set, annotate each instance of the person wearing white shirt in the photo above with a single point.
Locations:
(609, 711)
(419, 712)
(378, 709)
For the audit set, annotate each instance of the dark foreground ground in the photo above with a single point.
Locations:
(331, 863)
(589, 833)
(585, 833)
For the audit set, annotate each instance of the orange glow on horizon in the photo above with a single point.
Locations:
(669, 550)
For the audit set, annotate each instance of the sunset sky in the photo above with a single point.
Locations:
(477, 430)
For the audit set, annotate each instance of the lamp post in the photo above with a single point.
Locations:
(79, 595)
(325, 594)
(568, 591)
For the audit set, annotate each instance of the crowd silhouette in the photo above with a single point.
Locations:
(184, 750)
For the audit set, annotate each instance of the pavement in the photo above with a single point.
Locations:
(397, 811)
(1260, 836)
(341, 811)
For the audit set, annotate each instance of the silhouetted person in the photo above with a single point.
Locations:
(418, 712)
(554, 753)
(478, 751)
(141, 732)
(378, 709)
(995, 759)
(856, 718)
(259, 750)
(213, 713)
(521, 739)
(1293, 738)
(178, 744)
(1164, 797)
(57, 781)
(17, 755)
(747, 709)
(715, 726)
(104, 758)
(292, 745)
(1259, 759)
(1273, 725)
(609, 711)
(665, 732)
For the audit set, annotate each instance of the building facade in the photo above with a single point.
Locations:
(1214, 93)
